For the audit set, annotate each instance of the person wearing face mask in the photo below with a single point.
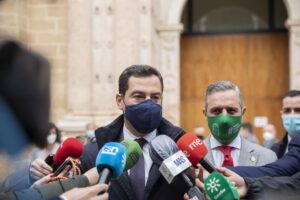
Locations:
(140, 99)
(269, 135)
(90, 132)
(53, 142)
(290, 114)
(224, 110)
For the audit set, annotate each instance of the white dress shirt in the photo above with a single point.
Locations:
(148, 161)
(218, 156)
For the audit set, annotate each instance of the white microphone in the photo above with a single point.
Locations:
(174, 165)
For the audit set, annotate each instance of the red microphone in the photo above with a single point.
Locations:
(195, 150)
(71, 147)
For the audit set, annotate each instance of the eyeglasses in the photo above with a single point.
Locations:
(290, 110)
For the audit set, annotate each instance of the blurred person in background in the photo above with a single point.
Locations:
(269, 135)
(83, 139)
(24, 116)
(53, 142)
(290, 115)
(90, 132)
(247, 132)
(199, 131)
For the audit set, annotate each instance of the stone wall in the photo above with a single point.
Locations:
(43, 26)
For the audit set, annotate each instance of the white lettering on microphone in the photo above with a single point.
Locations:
(112, 150)
(195, 143)
(220, 193)
(179, 161)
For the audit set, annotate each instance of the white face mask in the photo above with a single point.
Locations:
(51, 138)
(90, 133)
(268, 135)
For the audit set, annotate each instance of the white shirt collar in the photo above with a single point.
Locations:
(236, 143)
(128, 135)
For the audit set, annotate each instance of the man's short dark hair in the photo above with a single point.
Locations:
(137, 71)
(248, 126)
(292, 93)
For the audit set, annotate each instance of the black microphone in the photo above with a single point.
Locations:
(173, 163)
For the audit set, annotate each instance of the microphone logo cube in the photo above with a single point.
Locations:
(174, 165)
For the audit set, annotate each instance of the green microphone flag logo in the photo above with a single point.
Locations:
(213, 185)
(218, 187)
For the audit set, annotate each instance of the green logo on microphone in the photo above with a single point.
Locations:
(213, 185)
(218, 187)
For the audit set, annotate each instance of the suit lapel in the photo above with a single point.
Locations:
(248, 155)
(153, 177)
(282, 146)
(125, 184)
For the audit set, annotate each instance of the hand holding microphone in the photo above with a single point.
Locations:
(173, 163)
(90, 193)
(216, 185)
(71, 147)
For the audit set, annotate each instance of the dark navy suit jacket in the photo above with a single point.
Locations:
(288, 165)
(157, 187)
(279, 147)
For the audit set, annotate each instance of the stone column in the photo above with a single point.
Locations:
(169, 51)
(79, 99)
(294, 53)
(103, 78)
(293, 24)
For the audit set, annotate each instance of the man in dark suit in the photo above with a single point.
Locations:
(140, 99)
(290, 115)
(288, 165)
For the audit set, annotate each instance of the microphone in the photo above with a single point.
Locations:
(218, 187)
(164, 153)
(195, 150)
(133, 153)
(71, 147)
(110, 161)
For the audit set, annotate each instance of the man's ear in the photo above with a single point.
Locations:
(119, 101)
(204, 113)
(244, 110)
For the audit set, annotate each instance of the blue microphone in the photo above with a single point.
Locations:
(110, 161)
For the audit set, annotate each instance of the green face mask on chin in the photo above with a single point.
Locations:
(224, 127)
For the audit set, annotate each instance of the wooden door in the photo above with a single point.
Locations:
(257, 63)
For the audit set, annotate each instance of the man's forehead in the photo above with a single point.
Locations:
(148, 84)
(291, 101)
(223, 98)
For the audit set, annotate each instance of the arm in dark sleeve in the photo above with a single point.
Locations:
(52, 189)
(288, 165)
(273, 187)
(88, 157)
(18, 180)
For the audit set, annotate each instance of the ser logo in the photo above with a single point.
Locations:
(111, 150)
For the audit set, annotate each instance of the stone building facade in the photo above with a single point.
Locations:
(89, 43)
